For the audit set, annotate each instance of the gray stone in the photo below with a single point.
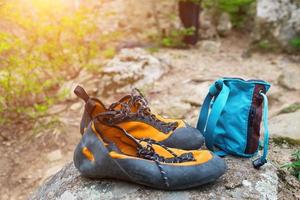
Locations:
(132, 68)
(224, 24)
(177, 109)
(290, 78)
(194, 94)
(268, 185)
(286, 125)
(207, 24)
(210, 46)
(278, 20)
(68, 184)
(246, 183)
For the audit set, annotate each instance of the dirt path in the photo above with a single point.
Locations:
(27, 161)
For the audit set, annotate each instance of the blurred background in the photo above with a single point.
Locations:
(172, 50)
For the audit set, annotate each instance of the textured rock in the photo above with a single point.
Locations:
(207, 24)
(210, 46)
(177, 109)
(224, 24)
(132, 68)
(286, 125)
(279, 20)
(54, 155)
(241, 181)
(290, 78)
(214, 23)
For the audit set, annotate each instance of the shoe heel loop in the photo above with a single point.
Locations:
(81, 93)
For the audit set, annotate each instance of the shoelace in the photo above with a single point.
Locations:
(114, 115)
(148, 152)
(143, 111)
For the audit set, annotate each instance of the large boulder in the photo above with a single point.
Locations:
(241, 181)
(132, 68)
(286, 125)
(279, 21)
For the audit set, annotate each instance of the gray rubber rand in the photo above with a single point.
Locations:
(143, 171)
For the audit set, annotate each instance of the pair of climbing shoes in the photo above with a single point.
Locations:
(126, 141)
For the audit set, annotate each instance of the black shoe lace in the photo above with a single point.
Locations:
(149, 153)
(143, 111)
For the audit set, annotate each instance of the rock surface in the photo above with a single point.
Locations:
(54, 155)
(224, 24)
(286, 125)
(210, 46)
(241, 181)
(132, 68)
(279, 20)
(290, 78)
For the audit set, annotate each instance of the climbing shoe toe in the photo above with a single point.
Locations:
(188, 138)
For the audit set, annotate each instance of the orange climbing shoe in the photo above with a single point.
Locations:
(133, 115)
(109, 151)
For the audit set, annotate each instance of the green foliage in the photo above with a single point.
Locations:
(294, 165)
(109, 53)
(285, 140)
(292, 108)
(152, 49)
(174, 39)
(50, 123)
(264, 44)
(238, 10)
(43, 44)
(295, 42)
